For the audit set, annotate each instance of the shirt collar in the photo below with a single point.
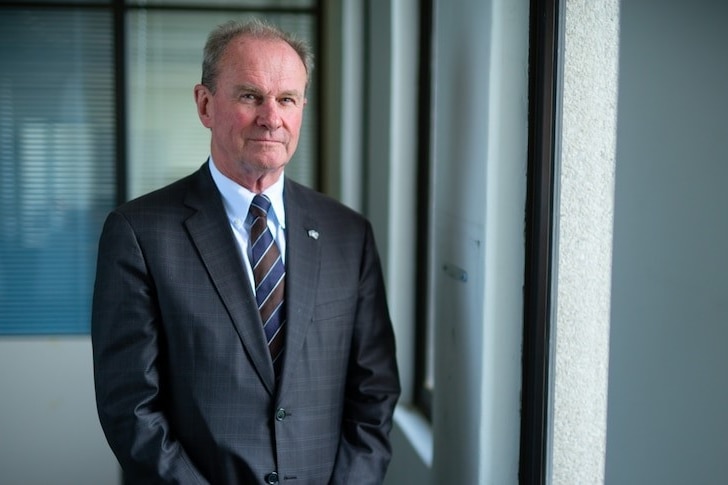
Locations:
(237, 199)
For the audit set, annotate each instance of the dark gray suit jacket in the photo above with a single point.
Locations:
(185, 386)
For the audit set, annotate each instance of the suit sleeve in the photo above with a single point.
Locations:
(372, 387)
(128, 348)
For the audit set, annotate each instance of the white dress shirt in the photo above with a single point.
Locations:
(237, 199)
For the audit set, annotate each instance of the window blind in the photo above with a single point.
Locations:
(57, 164)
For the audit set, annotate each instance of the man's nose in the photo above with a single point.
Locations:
(268, 114)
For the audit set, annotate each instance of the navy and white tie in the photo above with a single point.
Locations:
(269, 274)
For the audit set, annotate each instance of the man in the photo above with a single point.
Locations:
(195, 383)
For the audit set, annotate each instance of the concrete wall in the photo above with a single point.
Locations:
(49, 430)
(584, 205)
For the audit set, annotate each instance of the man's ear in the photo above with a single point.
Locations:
(203, 100)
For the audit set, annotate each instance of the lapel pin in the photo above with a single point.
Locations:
(313, 234)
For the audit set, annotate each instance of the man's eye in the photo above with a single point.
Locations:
(287, 100)
(248, 97)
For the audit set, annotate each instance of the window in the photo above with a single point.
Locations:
(57, 161)
(96, 107)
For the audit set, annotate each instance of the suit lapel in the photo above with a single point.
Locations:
(210, 232)
(302, 272)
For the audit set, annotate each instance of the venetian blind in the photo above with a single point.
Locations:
(57, 159)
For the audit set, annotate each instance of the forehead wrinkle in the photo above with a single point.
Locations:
(279, 66)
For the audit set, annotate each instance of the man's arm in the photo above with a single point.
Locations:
(372, 387)
(128, 367)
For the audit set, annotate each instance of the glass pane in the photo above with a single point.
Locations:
(166, 139)
(57, 162)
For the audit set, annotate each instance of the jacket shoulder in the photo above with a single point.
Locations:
(321, 205)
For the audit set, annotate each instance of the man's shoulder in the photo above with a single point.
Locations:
(314, 201)
(171, 196)
(168, 206)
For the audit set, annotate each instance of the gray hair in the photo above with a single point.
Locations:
(223, 34)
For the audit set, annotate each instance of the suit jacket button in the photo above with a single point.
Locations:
(271, 478)
(280, 414)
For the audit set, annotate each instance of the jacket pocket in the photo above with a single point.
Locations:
(329, 310)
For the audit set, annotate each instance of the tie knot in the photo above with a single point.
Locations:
(260, 205)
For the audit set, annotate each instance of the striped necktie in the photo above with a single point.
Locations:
(269, 274)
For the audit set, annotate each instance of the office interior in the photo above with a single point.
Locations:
(545, 182)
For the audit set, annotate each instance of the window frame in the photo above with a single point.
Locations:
(424, 320)
(544, 59)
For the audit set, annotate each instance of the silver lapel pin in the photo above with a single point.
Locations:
(313, 233)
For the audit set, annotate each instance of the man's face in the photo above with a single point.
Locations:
(256, 111)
